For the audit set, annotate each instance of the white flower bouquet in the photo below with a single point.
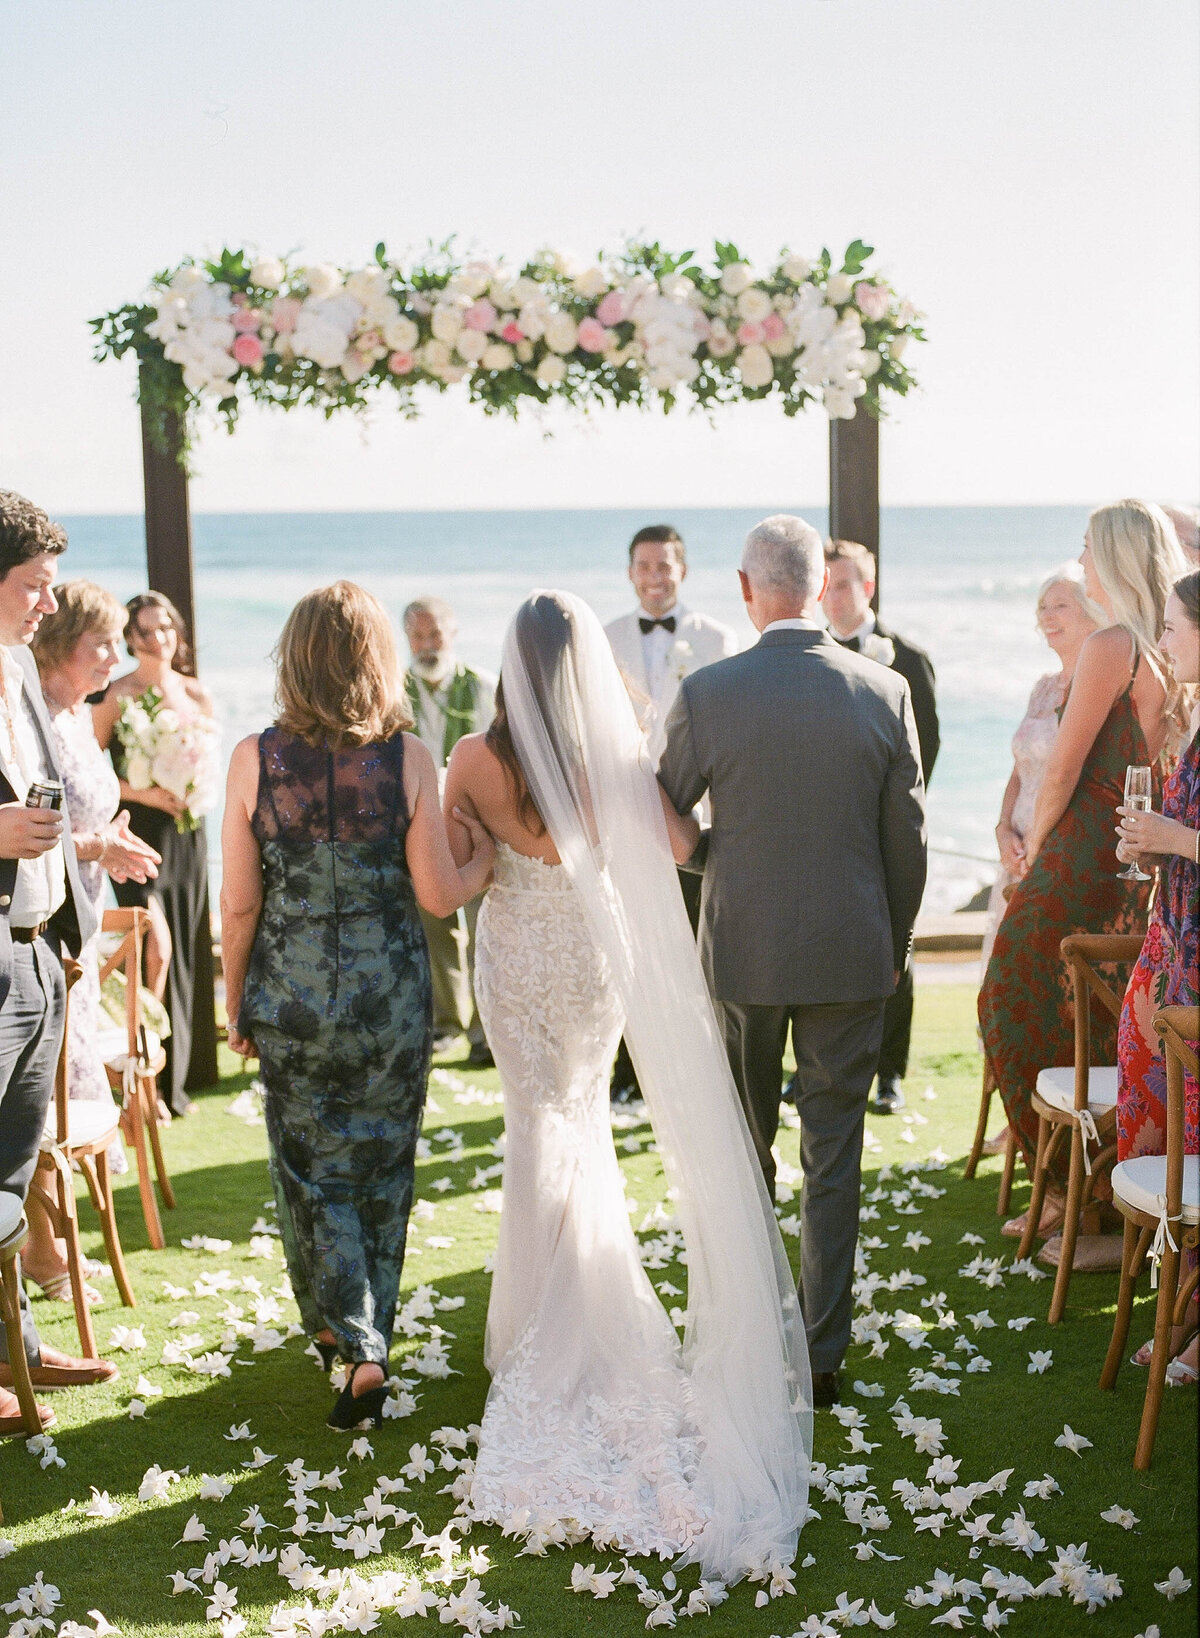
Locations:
(163, 750)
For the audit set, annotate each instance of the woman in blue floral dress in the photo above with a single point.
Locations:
(333, 835)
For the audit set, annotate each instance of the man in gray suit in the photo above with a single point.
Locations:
(813, 873)
(43, 911)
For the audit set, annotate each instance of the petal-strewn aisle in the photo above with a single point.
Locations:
(973, 1472)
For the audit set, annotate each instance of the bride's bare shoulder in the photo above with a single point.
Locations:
(473, 757)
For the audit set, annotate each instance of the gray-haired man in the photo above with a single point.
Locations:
(813, 873)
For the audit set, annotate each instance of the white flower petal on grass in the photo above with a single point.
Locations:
(260, 1458)
(156, 1482)
(238, 1430)
(137, 1407)
(212, 1489)
(100, 1506)
(1020, 1323)
(1070, 1440)
(145, 1389)
(127, 1338)
(1040, 1361)
(1043, 1488)
(1116, 1514)
(1175, 1584)
(879, 1619)
(869, 1390)
(971, 1240)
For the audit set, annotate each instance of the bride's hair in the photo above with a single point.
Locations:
(542, 629)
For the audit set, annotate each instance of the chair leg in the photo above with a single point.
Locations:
(1187, 1290)
(1156, 1378)
(18, 1364)
(149, 1093)
(1070, 1228)
(1004, 1198)
(985, 1106)
(137, 1127)
(95, 1170)
(1038, 1192)
(66, 1222)
(1130, 1249)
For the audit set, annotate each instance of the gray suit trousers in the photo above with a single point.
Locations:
(836, 1046)
(31, 1027)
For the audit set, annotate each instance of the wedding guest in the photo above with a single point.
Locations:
(854, 624)
(1168, 971)
(1116, 715)
(448, 700)
(177, 899)
(333, 840)
(77, 649)
(43, 910)
(1187, 529)
(814, 873)
(656, 646)
(1065, 617)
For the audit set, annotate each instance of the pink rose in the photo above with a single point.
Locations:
(593, 337)
(246, 318)
(750, 335)
(512, 333)
(284, 314)
(872, 300)
(248, 350)
(481, 315)
(370, 341)
(401, 363)
(773, 327)
(612, 309)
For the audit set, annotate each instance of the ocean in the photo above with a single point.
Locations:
(960, 581)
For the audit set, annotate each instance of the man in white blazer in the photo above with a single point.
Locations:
(656, 647)
(662, 642)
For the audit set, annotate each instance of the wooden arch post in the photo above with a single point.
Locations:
(169, 570)
(854, 484)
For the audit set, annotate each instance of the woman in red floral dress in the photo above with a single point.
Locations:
(1116, 714)
(1166, 974)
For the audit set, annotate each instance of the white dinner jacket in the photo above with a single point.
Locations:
(698, 641)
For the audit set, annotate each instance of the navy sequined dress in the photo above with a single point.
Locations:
(338, 1002)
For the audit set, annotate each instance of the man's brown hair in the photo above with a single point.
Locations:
(26, 532)
(851, 551)
(659, 534)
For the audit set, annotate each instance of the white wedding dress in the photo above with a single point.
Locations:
(599, 1423)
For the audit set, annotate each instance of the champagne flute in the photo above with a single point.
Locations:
(1137, 796)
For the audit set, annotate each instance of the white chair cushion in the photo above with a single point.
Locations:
(111, 1042)
(1142, 1181)
(87, 1120)
(1057, 1087)
(12, 1209)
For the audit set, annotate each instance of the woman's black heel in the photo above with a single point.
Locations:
(328, 1353)
(351, 1411)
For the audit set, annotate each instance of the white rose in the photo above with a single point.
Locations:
(187, 280)
(899, 346)
(561, 333)
(476, 277)
(446, 322)
(754, 305)
(355, 365)
(137, 771)
(565, 263)
(735, 278)
(720, 342)
(780, 346)
(796, 268)
(503, 293)
(523, 291)
(755, 366)
(870, 362)
(838, 288)
(497, 357)
(471, 345)
(839, 404)
(525, 352)
(435, 356)
(266, 272)
(402, 335)
(368, 285)
(322, 280)
(380, 312)
(675, 287)
(551, 370)
(592, 282)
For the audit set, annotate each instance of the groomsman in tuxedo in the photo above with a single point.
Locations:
(854, 625)
(813, 869)
(43, 912)
(656, 647)
(449, 700)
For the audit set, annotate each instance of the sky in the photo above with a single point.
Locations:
(1028, 172)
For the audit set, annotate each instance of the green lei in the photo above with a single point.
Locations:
(461, 705)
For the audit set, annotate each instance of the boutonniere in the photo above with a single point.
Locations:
(678, 657)
(880, 649)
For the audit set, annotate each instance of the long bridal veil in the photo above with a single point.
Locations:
(744, 1349)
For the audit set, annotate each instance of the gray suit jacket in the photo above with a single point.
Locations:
(75, 921)
(815, 863)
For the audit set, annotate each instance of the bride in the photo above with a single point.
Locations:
(598, 1422)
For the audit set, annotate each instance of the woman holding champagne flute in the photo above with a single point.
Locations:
(1116, 715)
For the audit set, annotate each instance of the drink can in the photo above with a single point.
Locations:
(45, 793)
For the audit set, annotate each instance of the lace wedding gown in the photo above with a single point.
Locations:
(587, 1419)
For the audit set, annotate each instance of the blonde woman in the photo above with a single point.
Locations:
(1117, 713)
(333, 837)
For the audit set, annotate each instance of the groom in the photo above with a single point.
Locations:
(813, 873)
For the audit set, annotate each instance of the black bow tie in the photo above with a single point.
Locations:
(848, 642)
(667, 622)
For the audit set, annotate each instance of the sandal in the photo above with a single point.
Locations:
(353, 1410)
(58, 1288)
(1180, 1375)
(1145, 1353)
(1053, 1212)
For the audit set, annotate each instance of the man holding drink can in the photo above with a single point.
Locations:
(43, 909)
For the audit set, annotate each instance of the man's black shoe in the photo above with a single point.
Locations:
(826, 1389)
(789, 1091)
(889, 1096)
(480, 1056)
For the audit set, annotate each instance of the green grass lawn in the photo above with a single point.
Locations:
(1003, 1418)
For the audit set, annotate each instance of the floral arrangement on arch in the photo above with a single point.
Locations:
(635, 328)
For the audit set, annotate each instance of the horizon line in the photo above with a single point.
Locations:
(482, 511)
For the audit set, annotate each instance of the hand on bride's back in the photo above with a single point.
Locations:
(482, 845)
